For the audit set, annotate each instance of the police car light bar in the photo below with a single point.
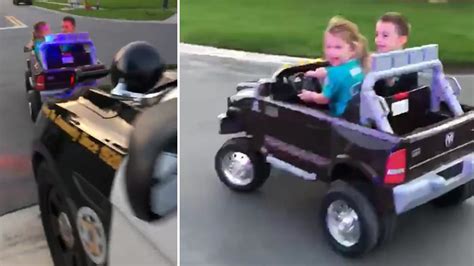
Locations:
(68, 37)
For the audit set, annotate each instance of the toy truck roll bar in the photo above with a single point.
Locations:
(374, 108)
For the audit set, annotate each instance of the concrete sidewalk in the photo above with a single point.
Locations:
(22, 241)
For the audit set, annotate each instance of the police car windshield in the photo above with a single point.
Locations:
(67, 55)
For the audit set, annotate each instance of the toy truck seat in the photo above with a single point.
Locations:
(409, 110)
(406, 82)
(375, 109)
(352, 113)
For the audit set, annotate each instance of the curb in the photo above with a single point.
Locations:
(240, 55)
(170, 20)
(194, 49)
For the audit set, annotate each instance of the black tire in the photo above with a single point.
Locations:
(387, 221)
(27, 81)
(367, 217)
(456, 196)
(34, 104)
(15, 2)
(261, 169)
(388, 225)
(52, 202)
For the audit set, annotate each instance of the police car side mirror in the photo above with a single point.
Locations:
(151, 171)
(84, 74)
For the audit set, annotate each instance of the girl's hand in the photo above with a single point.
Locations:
(319, 73)
(310, 73)
(307, 96)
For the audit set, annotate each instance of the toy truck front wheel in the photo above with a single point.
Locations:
(350, 221)
(240, 167)
(34, 104)
(28, 86)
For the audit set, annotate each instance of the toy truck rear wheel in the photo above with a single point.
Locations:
(456, 196)
(240, 167)
(350, 221)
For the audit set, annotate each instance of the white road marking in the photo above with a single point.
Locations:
(17, 24)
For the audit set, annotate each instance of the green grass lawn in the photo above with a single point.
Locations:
(121, 9)
(295, 27)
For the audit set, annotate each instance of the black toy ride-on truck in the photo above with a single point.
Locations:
(382, 157)
(52, 75)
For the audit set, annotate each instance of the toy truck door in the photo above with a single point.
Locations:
(295, 134)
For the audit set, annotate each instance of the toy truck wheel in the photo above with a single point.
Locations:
(387, 221)
(34, 104)
(350, 222)
(240, 167)
(456, 196)
(27, 81)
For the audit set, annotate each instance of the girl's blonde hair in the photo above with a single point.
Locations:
(37, 28)
(349, 32)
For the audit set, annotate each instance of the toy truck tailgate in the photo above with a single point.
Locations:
(439, 145)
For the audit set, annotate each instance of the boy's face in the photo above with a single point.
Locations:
(336, 50)
(387, 38)
(67, 27)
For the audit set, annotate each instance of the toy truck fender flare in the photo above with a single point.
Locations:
(343, 163)
(231, 121)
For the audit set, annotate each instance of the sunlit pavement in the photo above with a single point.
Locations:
(22, 239)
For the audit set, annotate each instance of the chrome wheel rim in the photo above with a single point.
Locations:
(237, 168)
(92, 234)
(65, 230)
(343, 223)
(30, 109)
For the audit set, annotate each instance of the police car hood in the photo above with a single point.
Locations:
(103, 118)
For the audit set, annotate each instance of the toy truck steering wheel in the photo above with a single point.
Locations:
(299, 82)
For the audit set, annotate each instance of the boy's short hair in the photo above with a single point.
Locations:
(70, 19)
(400, 21)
